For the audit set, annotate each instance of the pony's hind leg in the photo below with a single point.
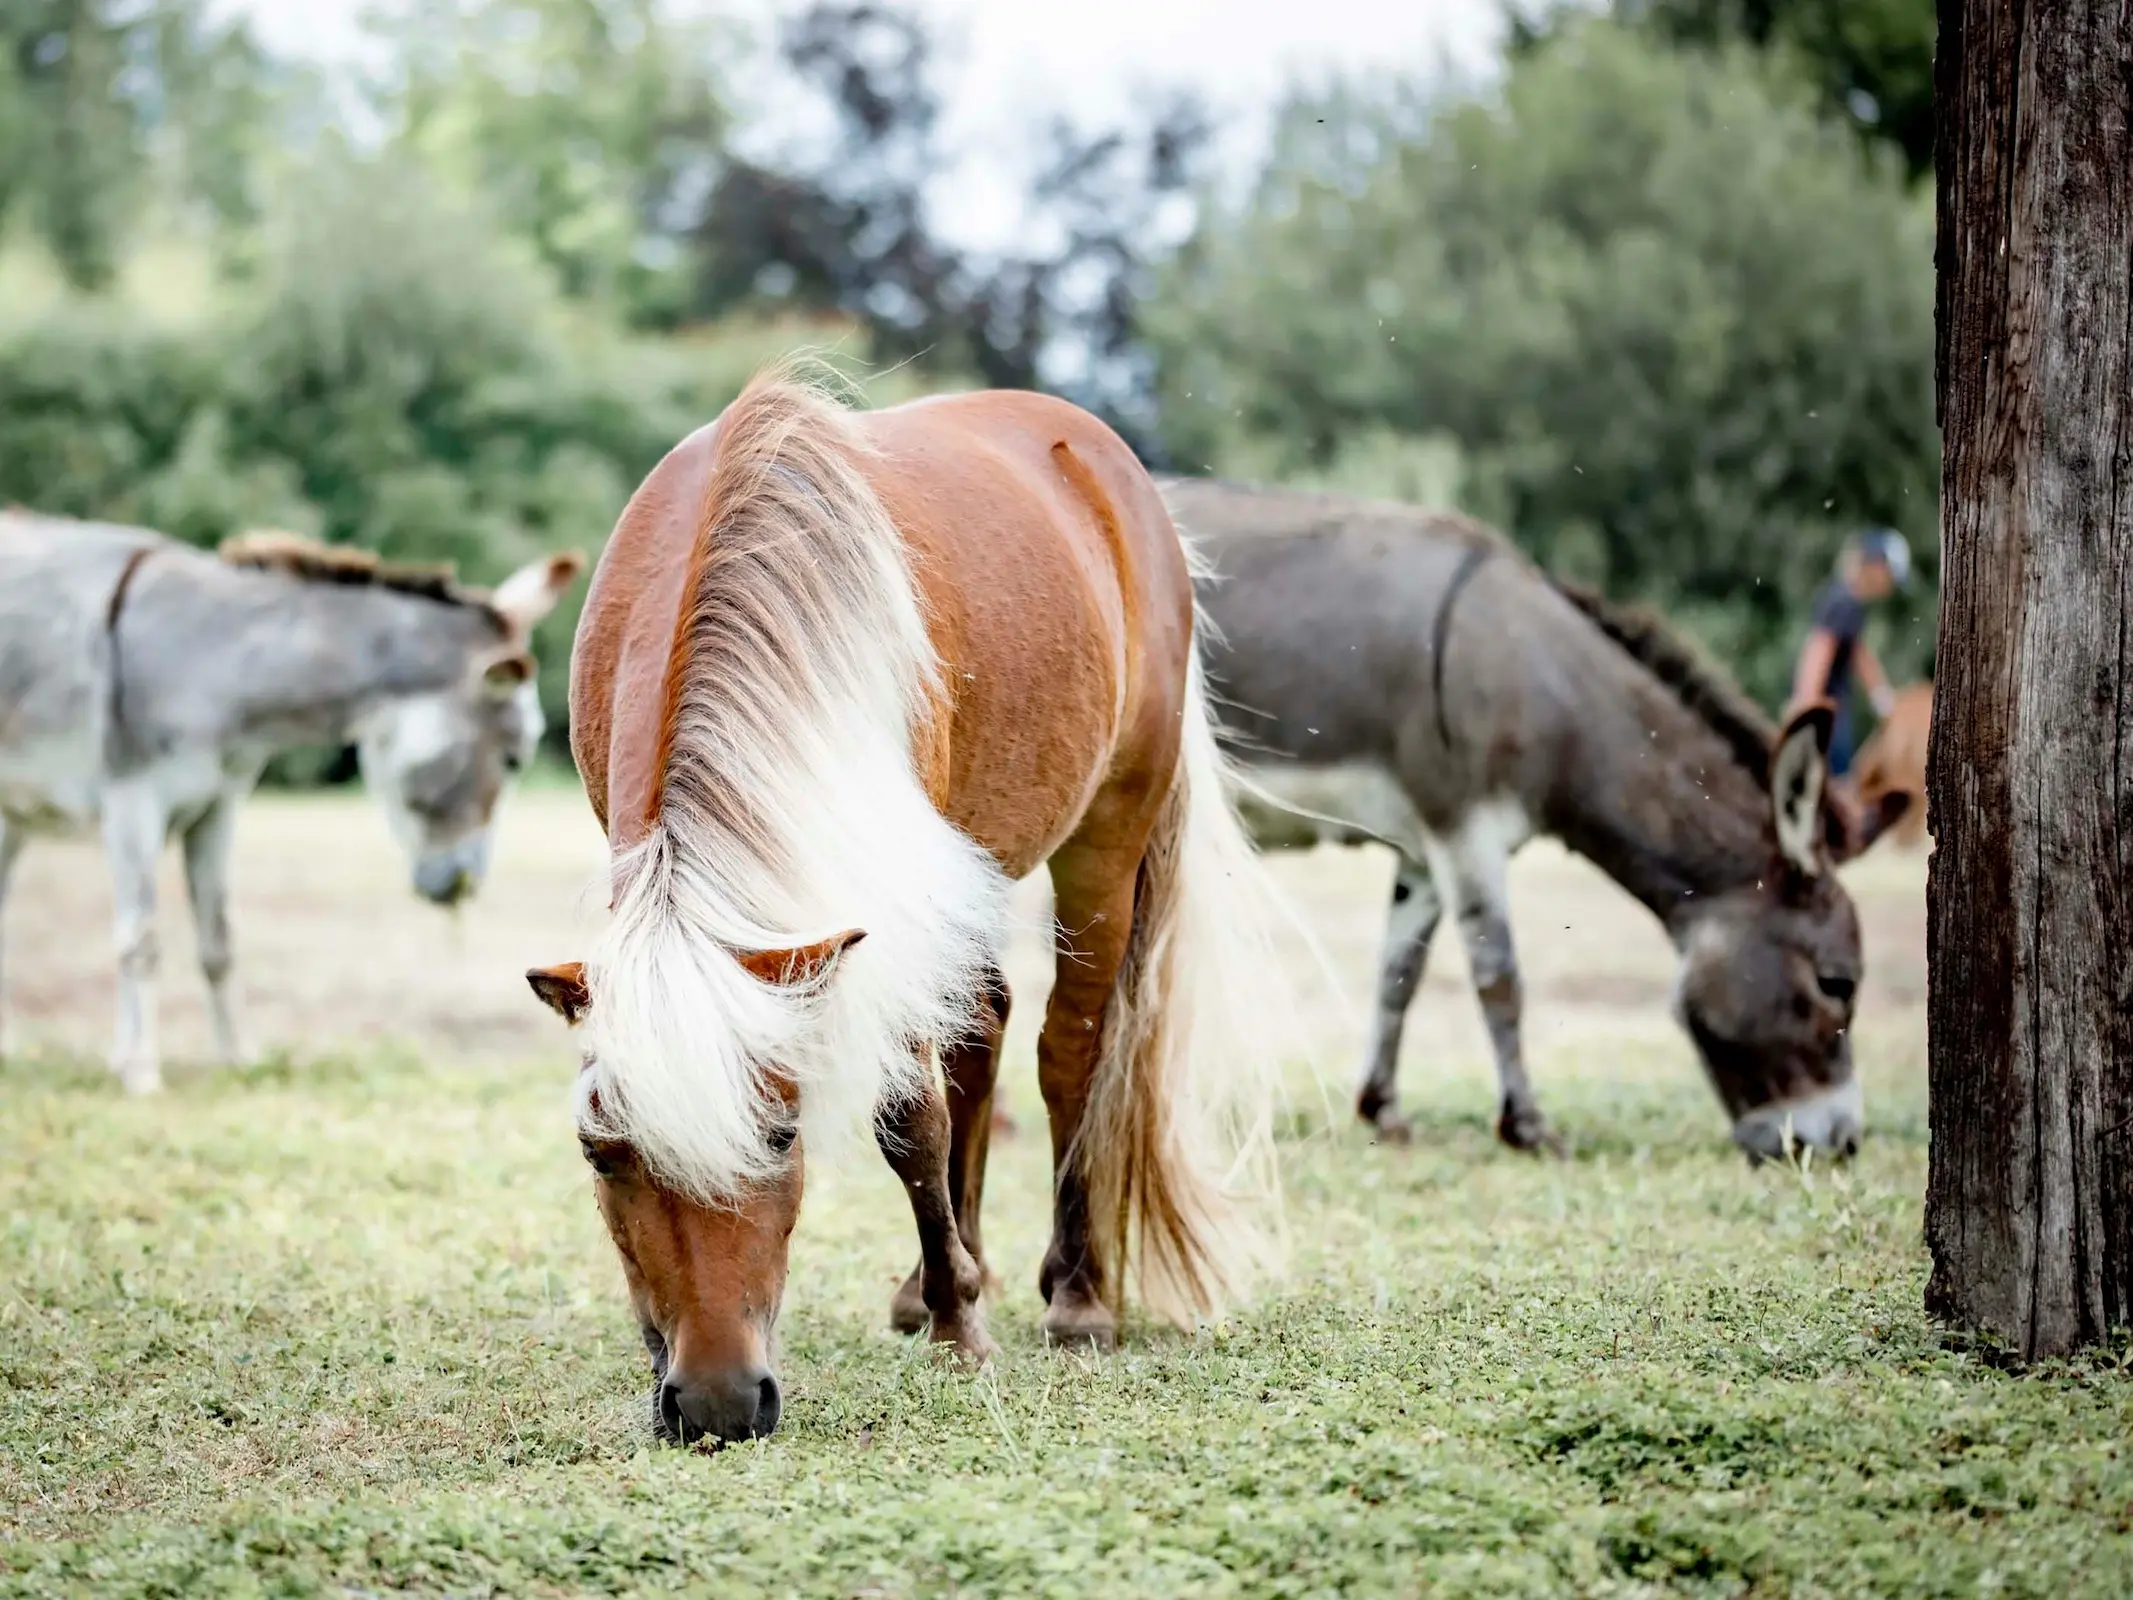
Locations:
(1093, 892)
(207, 884)
(913, 1135)
(1411, 924)
(970, 1066)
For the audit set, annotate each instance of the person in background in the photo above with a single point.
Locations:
(1874, 565)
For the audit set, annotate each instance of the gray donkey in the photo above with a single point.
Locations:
(1409, 677)
(145, 684)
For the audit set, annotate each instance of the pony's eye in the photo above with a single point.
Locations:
(782, 1136)
(596, 1158)
(1837, 986)
(513, 761)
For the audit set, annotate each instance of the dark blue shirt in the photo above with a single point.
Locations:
(1843, 615)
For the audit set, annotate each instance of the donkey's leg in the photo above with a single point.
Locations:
(1093, 891)
(1412, 923)
(970, 1066)
(913, 1135)
(11, 837)
(207, 884)
(1472, 867)
(134, 822)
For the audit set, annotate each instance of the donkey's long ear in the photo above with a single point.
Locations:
(530, 593)
(1798, 772)
(562, 989)
(804, 964)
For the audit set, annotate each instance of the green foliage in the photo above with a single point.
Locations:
(396, 375)
(1869, 59)
(106, 105)
(582, 124)
(1678, 326)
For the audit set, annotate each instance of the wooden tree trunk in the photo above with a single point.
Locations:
(2029, 1206)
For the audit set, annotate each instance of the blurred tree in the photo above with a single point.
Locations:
(106, 103)
(1871, 60)
(852, 231)
(1678, 326)
(590, 127)
(393, 372)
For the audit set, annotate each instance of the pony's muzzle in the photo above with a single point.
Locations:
(1829, 1122)
(734, 1406)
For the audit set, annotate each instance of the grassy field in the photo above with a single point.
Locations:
(346, 1322)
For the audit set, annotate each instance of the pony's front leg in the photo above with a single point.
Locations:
(134, 822)
(913, 1135)
(207, 884)
(971, 1067)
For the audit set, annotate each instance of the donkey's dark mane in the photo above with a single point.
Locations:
(313, 562)
(1700, 684)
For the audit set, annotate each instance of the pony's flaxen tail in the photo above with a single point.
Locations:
(1176, 1146)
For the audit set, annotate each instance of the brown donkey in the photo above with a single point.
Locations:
(840, 678)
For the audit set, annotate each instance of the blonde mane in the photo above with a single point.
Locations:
(789, 808)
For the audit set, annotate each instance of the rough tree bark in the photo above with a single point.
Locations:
(2029, 1205)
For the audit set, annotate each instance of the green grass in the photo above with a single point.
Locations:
(352, 1327)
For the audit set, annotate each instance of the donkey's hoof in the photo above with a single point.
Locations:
(1390, 1127)
(907, 1311)
(1075, 1323)
(1524, 1128)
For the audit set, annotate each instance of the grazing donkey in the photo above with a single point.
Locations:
(1407, 676)
(144, 685)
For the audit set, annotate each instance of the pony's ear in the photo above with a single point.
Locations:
(804, 964)
(562, 990)
(1873, 817)
(1798, 772)
(530, 593)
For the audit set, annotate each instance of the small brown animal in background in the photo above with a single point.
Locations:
(1894, 760)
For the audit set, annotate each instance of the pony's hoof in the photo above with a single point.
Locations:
(907, 1311)
(964, 1337)
(139, 1077)
(1523, 1128)
(1072, 1324)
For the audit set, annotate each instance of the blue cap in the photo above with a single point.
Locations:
(1891, 549)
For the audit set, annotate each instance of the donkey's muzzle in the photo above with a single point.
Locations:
(1830, 1122)
(742, 1405)
(446, 877)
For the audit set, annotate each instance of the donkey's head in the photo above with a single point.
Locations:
(439, 762)
(706, 1279)
(1770, 972)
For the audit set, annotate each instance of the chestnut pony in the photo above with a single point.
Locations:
(840, 678)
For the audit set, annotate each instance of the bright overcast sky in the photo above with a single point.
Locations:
(1005, 63)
